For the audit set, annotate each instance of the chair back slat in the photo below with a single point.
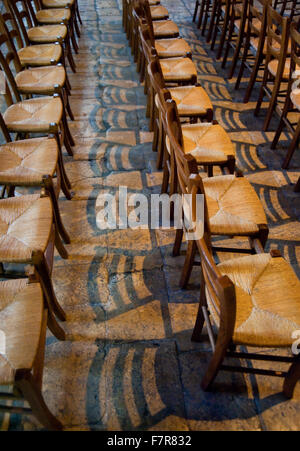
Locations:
(277, 35)
(22, 11)
(295, 43)
(219, 288)
(7, 46)
(8, 22)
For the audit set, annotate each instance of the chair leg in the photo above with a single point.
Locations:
(292, 147)
(178, 241)
(205, 16)
(223, 34)
(216, 360)
(42, 270)
(64, 179)
(196, 10)
(166, 177)
(54, 327)
(212, 21)
(161, 145)
(50, 189)
(197, 331)
(77, 11)
(201, 14)
(272, 104)
(291, 379)
(25, 382)
(188, 264)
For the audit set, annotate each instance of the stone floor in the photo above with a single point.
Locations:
(128, 362)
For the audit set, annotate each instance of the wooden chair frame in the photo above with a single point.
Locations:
(253, 60)
(222, 289)
(61, 131)
(43, 264)
(25, 17)
(38, 6)
(51, 189)
(278, 32)
(28, 385)
(288, 107)
(149, 53)
(158, 84)
(185, 165)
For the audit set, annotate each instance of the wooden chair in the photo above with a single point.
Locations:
(166, 48)
(36, 115)
(40, 34)
(159, 28)
(32, 55)
(207, 142)
(175, 71)
(275, 69)
(292, 100)
(45, 80)
(72, 4)
(27, 237)
(233, 207)
(23, 326)
(221, 12)
(64, 15)
(254, 48)
(253, 301)
(236, 32)
(34, 163)
(192, 103)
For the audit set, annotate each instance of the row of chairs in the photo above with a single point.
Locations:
(36, 41)
(263, 37)
(253, 300)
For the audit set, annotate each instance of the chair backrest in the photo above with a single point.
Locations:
(147, 15)
(24, 16)
(219, 288)
(257, 23)
(7, 46)
(156, 76)
(277, 37)
(4, 129)
(286, 7)
(9, 24)
(8, 56)
(295, 44)
(147, 44)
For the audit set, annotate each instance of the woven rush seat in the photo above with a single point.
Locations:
(55, 15)
(25, 226)
(178, 68)
(191, 100)
(21, 313)
(34, 114)
(47, 33)
(206, 142)
(159, 12)
(168, 48)
(273, 66)
(40, 55)
(57, 3)
(25, 162)
(267, 300)
(165, 28)
(233, 206)
(295, 98)
(40, 80)
(255, 41)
